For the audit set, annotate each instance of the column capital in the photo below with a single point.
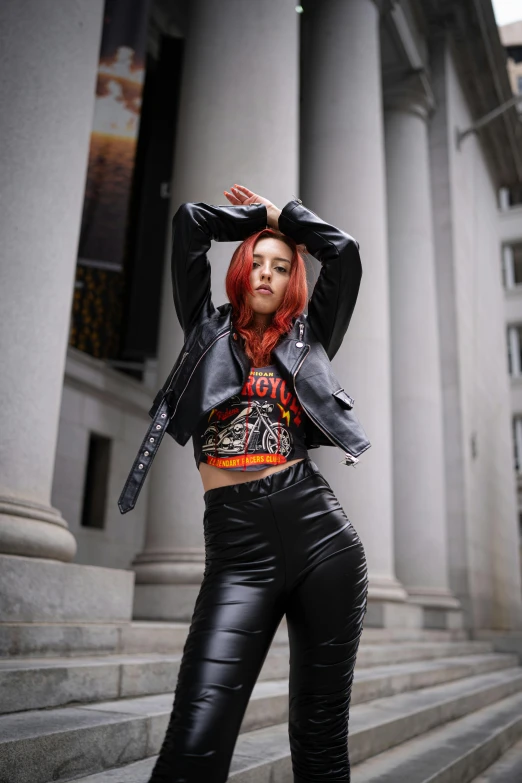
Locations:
(412, 95)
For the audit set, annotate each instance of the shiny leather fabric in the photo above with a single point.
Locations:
(277, 545)
(211, 366)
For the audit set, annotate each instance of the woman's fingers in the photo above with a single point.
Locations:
(245, 190)
(248, 196)
(239, 196)
(238, 193)
(232, 198)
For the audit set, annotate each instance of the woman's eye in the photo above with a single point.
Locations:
(279, 268)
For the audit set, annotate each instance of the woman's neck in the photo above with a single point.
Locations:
(261, 321)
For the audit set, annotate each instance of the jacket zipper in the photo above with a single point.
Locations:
(350, 458)
(223, 334)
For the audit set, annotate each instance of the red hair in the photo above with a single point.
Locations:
(258, 344)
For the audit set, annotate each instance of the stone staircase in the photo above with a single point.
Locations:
(427, 707)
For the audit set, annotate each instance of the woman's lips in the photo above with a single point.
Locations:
(264, 291)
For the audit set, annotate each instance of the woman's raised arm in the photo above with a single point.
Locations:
(331, 305)
(333, 299)
(194, 226)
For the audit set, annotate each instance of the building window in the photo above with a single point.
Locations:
(512, 264)
(510, 197)
(96, 481)
(517, 263)
(514, 341)
(517, 442)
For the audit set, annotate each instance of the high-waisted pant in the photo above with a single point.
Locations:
(274, 546)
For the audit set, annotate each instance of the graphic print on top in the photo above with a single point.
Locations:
(261, 426)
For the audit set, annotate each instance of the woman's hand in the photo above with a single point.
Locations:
(242, 195)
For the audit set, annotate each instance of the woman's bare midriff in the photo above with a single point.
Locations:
(218, 477)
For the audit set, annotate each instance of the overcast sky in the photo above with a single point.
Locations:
(507, 11)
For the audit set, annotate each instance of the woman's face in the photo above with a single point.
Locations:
(270, 267)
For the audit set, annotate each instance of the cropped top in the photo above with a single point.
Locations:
(262, 425)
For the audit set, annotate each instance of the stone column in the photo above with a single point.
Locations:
(343, 180)
(238, 122)
(49, 55)
(418, 452)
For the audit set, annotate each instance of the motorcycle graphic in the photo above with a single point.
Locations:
(251, 430)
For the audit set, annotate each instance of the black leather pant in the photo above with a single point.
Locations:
(277, 545)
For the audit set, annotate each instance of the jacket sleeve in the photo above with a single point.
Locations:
(194, 226)
(333, 299)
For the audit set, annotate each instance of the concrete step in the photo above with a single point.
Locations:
(137, 637)
(370, 654)
(30, 684)
(508, 768)
(44, 745)
(147, 637)
(448, 753)
(378, 682)
(454, 753)
(70, 639)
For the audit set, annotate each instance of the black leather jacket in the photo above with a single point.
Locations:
(212, 366)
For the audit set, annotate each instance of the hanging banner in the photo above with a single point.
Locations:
(121, 74)
(98, 299)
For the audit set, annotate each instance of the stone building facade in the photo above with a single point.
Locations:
(510, 241)
(356, 107)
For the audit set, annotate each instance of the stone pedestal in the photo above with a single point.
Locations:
(252, 95)
(343, 180)
(33, 590)
(49, 608)
(418, 456)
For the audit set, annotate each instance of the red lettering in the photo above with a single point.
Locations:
(222, 415)
(261, 390)
(274, 382)
(247, 388)
(261, 385)
(284, 400)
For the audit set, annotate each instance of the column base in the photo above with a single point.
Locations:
(392, 614)
(386, 588)
(34, 530)
(421, 609)
(167, 584)
(508, 641)
(440, 608)
(173, 603)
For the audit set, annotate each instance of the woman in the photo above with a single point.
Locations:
(277, 541)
